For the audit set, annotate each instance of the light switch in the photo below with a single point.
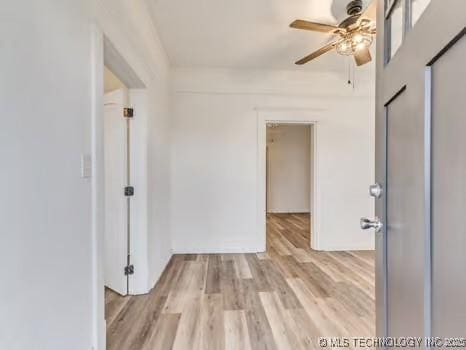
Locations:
(86, 166)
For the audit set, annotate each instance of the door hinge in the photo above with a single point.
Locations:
(129, 270)
(128, 112)
(129, 191)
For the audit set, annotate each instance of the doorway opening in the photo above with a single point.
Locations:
(340, 282)
(117, 174)
(289, 174)
(124, 190)
(119, 184)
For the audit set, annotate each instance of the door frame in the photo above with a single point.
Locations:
(296, 117)
(103, 53)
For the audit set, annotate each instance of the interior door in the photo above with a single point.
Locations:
(421, 168)
(116, 206)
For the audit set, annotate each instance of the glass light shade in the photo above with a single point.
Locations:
(345, 47)
(354, 42)
(361, 41)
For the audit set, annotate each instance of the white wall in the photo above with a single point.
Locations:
(289, 169)
(46, 99)
(158, 131)
(214, 160)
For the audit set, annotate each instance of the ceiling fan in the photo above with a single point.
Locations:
(354, 34)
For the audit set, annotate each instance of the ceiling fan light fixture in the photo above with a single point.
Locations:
(360, 46)
(358, 38)
(345, 47)
(352, 37)
(353, 42)
(362, 41)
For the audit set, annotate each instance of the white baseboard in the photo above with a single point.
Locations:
(219, 251)
(297, 211)
(338, 248)
(231, 247)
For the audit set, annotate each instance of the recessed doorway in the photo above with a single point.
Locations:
(119, 184)
(288, 184)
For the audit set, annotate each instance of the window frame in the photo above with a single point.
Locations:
(406, 22)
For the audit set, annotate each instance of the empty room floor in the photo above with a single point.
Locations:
(285, 298)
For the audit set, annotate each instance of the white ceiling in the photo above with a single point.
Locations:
(251, 34)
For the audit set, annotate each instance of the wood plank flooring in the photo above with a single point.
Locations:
(284, 298)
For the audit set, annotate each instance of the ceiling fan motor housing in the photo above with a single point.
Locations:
(354, 7)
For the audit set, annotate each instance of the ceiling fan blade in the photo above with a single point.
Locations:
(362, 57)
(313, 26)
(370, 12)
(316, 54)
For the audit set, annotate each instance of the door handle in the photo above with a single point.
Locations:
(368, 224)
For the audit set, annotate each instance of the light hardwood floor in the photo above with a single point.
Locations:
(284, 298)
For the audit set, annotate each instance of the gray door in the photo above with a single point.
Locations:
(421, 167)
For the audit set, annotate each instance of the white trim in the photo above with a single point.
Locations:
(345, 248)
(287, 116)
(97, 185)
(265, 93)
(238, 249)
(294, 211)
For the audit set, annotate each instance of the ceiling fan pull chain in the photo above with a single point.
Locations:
(348, 64)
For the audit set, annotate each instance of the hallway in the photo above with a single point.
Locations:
(282, 299)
